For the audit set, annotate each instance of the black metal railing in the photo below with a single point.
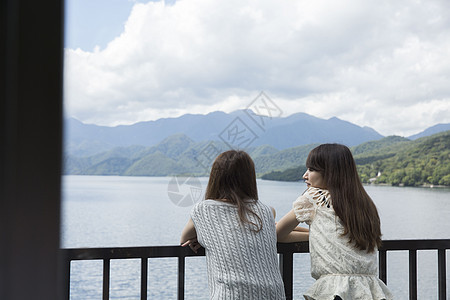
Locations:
(286, 252)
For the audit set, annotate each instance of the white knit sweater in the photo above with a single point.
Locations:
(241, 263)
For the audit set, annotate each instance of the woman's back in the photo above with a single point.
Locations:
(242, 262)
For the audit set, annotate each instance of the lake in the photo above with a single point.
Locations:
(118, 211)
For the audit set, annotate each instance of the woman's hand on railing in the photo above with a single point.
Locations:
(193, 244)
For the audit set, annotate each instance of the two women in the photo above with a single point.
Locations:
(238, 232)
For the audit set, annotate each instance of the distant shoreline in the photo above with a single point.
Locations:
(431, 186)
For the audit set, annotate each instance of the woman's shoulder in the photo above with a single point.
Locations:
(212, 203)
(264, 207)
(311, 195)
(259, 203)
(209, 202)
(204, 207)
(224, 204)
(314, 191)
(201, 204)
(318, 196)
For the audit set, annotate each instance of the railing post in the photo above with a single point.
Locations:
(286, 268)
(442, 281)
(144, 276)
(413, 274)
(181, 269)
(65, 281)
(382, 263)
(106, 276)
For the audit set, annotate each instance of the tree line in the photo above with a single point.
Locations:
(395, 161)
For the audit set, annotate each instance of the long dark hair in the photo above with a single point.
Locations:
(350, 200)
(233, 179)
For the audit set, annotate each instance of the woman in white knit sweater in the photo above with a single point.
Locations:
(237, 232)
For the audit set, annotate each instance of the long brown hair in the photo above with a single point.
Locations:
(233, 179)
(350, 200)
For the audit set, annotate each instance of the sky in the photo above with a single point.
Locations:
(382, 64)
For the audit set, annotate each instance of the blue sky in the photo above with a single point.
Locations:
(91, 23)
(94, 22)
(383, 64)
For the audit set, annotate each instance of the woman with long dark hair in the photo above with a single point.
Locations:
(344, 228)
(237, 232)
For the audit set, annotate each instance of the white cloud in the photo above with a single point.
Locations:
(381, 64)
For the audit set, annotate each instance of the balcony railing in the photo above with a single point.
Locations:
(286, 252)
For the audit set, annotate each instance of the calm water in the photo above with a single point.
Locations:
(109, 211)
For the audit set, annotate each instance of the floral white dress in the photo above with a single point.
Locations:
(340, 269)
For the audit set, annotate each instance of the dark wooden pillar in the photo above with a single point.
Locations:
(31, 54)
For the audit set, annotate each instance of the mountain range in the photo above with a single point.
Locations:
(279, 132)
(125, 150)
